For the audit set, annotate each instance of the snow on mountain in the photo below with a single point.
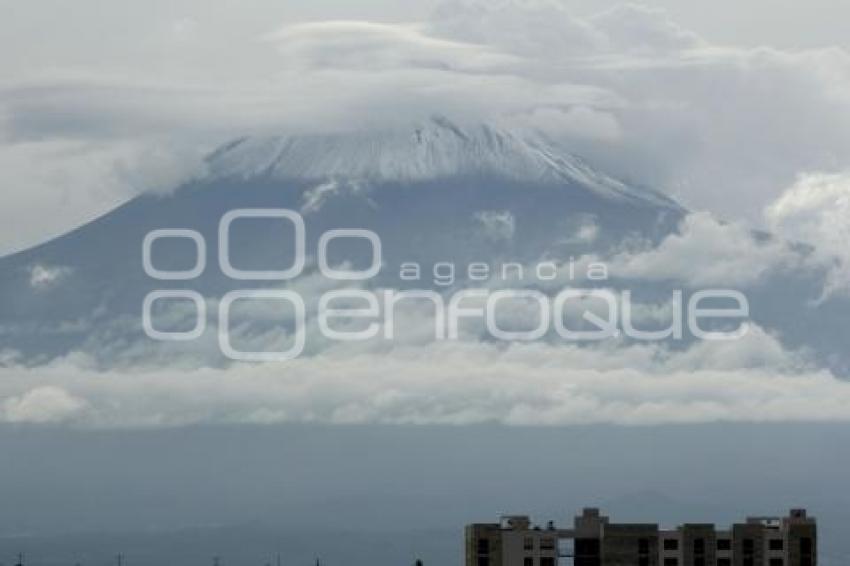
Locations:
(430, 150)
(434, 192)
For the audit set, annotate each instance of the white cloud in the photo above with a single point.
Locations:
(496, 224)
(587, 231)
(378, 47)
(43, 277)
(816, 210)
(55, 184)
(507, 24)
(722, 128)
(707, 252)
(415, 379)
(636, 28)
(752, 380)
(315, 197)
(41, 405)
(809, 229)
(576, 122)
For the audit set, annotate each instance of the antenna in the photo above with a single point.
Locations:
(119, 560)
(216, 561)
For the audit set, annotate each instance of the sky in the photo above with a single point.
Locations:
(720, 105)
(745, 129)
(210, 490)
(738, 110)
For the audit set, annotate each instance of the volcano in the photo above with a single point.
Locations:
(436, 193)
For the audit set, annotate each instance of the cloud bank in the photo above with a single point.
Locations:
(457, 383)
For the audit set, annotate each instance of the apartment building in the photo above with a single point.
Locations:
(594, 540)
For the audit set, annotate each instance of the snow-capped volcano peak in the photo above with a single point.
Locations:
(429, 150)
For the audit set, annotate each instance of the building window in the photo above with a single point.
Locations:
(699, 546)
(671, 544)
(483, 561)
(805, 545)
(483, 546)
(643, 560)
(776, 562)
(528, 561)
(528, 543)
(643, 546)
(587, 547)
(547, 561)
(724, 544)
(724, 562)
(699, 560)
(671, 562)
(776, 544)
(547, 544)
(749, 561)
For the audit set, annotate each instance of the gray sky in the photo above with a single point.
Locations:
(299, 477)
(101, 100)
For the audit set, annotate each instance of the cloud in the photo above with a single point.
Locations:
(579, 122)
(636, 28)
(43, 277)
(809, 228)
(378, 47)
(41, 405)
(719, 127)
(587, 230)
(816, 210)
(495, 224)
(415, 379)
(628, 28)
(752, 380)
(707, 252)
(56, 184)
(506, 25)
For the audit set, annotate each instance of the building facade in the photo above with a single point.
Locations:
(594, 540)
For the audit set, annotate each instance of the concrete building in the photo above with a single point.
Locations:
(594, 540)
